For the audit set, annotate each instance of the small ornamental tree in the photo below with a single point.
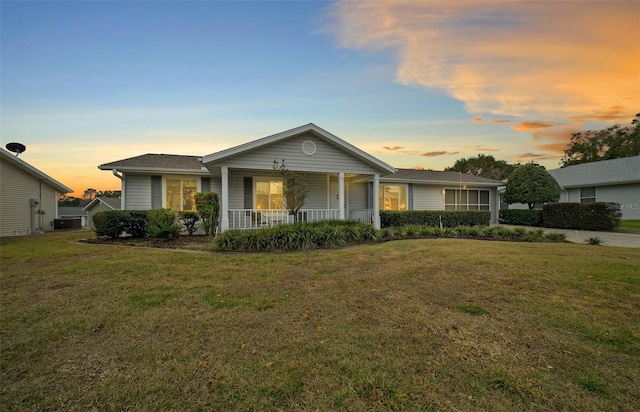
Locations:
(294, 188)
(531, 184)
(208, 207)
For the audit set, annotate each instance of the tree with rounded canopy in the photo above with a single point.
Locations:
(483, 165)
(531, 184)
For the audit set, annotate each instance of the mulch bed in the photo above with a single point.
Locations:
(181, 242)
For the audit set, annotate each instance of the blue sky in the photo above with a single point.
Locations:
(86, 83)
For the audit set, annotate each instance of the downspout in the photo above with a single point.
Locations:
(121, 177)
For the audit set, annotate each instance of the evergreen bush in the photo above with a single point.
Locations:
(448, 218)
(163, 224)
(582, 216)
(523, 217)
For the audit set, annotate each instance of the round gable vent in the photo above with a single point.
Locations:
(308, 148)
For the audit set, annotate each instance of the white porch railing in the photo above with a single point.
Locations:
(363, 216)
(255, 219)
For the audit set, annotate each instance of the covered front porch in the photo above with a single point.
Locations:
(246, 219)
(251, 199)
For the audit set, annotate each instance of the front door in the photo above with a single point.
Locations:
(334, 201)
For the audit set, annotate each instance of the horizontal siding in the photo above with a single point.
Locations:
(16, 190)
(358, 196)
(428, 197)
(628, 196)
(317, 198)
(137, 192)
(328, 158)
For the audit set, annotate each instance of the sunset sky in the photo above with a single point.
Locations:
(416, 83)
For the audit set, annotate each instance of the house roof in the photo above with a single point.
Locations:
(624, 170)
(151, 162)
(70, 211)
(27, 168)
(111, 202)
(435, 176)
(307, 128)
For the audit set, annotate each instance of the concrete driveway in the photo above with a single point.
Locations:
(582, 236)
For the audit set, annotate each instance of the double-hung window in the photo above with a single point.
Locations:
(466, 199)
(393, 197)
(587, 194)
(269, 194)
(181, 193)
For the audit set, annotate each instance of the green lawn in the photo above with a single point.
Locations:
(435, 324)
(629, 226)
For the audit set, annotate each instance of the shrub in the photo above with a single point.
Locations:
(208, 207)
(582, 216)
(163, 224)
(109, 223)
(189, 220)
(135, 222)
(523, 217)
(299, 236)
(594, 241)
(448, 218)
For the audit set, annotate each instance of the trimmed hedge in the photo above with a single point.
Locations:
(523, 217)
(450, 218)
(582, 216)
(110, 223)
(163, 224)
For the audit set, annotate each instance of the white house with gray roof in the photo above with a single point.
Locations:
(615, 180)
(344, 181)
(28, 197)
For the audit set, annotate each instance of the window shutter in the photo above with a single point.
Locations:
(205, 184)
(370, 196)
(410, 195)
(248, 192)
(156, 192)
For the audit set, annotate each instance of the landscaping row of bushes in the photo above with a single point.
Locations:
(156, 223)
(435, 218)
(580, 216)
(300, 236)
(306, 236)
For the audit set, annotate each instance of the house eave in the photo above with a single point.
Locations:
(21, 164)
(441, 182)
(162, 170)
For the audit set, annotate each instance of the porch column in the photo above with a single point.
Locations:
(224, 207)
(376, 201)
(341, 193)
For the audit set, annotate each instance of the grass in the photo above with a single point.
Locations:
(390, 326)
(629, 226)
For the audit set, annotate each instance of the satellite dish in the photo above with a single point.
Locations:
(16, 148)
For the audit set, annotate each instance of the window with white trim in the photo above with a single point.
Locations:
(181, 194)
(393, 197)
(466, 199)
(269, 194)
(587, 194)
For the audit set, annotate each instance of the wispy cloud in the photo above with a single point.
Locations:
(559, 61)
(500, 121)
(392, 148)
(527, 126)
(523, 157)
(477, 120)
(484, 149)
(438, 153)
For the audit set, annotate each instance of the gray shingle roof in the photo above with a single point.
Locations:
(157, 161)
(605, 172)
(438, 176)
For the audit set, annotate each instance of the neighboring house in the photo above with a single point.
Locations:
(65, 212)
(615, 180)
(344, 181)
(28, 197)
(100, 204)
